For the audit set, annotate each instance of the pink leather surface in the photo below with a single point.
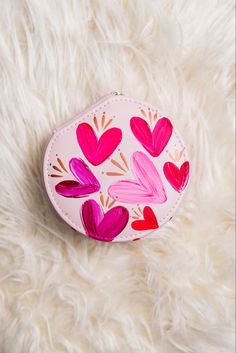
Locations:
(117, 171)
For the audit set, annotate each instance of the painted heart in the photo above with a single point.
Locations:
(146, 188)
(102, 226)
(97, 150)
(153, 141)
(149, 221)
(85, 182)
(177, 177)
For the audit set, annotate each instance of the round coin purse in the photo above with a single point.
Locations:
(117, 171)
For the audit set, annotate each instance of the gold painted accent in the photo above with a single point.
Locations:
(55, 176)
(62, 165)
(124, 160)
(57, 169)
(155, 116)
(143, 112)
(150, 117)
(177, 155)
(107, 201)
(117, 165)
(180, 154)
(136, 213)
(103, 120)
(102, 199)
(140, 210)
(113, 174)
(171, 157)
(111, 204)
(107, 124)
(95, 122)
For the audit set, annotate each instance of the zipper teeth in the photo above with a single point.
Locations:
(90, 107)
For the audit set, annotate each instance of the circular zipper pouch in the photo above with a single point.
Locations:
(117, 171)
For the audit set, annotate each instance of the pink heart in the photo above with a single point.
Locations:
(178, 178)
(85, 182)
(102, 226)
(147, 188)
(97, 151)
(154, 142)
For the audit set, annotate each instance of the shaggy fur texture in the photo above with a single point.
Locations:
(59, 291)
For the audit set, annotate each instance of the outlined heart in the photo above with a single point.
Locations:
(100, 225)
(146, 188)
(85, 184)
(153, 141)
(177, 177)
(149, 222)
(97, 150)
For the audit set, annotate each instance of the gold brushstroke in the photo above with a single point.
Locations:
(107, 201)
(102, 199)
(95, 122)
(177, 155)
(143, 112)
(55, 176)
(136, 213)
(62, 165)
(113, 174)
(180, 154)
(124, 160)
(103, 120)
(134, 217)
(171, 157)
(107, 124)
(111, 204)
(113, 161)
(57, 169)
(150, 116)
(140, 210)
(155, 116)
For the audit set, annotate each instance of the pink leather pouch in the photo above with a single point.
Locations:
(117, 171)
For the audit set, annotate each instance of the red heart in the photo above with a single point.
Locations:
(153, 141)
(97, 151)
(149, 221)
(178, 178)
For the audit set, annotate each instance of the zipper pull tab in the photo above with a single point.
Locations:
(116, 93)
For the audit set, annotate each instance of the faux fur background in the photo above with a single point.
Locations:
(59, 291)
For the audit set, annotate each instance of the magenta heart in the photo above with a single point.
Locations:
(154, 142)
(102, 226)
(85, 182)
(178, 178)
(146, 188)
(97, 151)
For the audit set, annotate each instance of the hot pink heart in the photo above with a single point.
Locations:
(154, 142)
(102, 226)
(85, 182)
(178, 178)
(97, 151)
(147, 188)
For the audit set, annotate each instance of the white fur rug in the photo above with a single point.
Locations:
(59, 291)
